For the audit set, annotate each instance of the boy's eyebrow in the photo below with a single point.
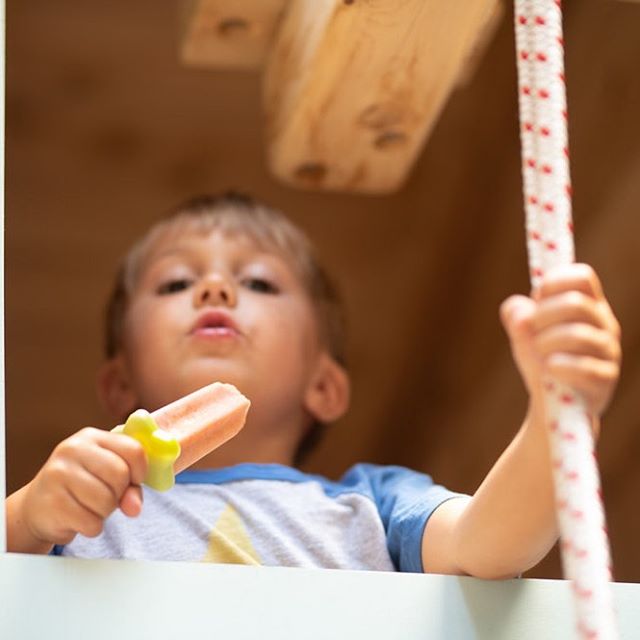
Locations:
(178, 251)
(153, 257)
(166, 253)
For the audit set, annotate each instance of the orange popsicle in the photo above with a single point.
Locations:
(182, 432)
(203, 420)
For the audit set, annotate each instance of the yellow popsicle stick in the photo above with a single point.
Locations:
(161, 447)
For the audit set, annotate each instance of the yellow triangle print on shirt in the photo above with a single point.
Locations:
(229, 541)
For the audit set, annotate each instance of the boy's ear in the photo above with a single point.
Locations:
(327, 395)
(114, 389)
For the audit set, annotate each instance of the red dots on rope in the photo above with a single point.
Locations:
(585, 632)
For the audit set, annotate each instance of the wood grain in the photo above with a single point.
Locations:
(229, 33)
(352, 89)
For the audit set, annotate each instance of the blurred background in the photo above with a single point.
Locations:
(106, 129)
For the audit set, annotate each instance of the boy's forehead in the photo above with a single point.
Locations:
(182, 240)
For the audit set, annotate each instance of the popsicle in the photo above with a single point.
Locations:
(180, 433)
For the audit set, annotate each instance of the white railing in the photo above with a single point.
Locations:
(63, 598)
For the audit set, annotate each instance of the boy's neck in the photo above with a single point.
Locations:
(243, 449)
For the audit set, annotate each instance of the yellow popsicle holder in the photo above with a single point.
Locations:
(161, 447)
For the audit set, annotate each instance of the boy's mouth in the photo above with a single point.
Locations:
(215, 324)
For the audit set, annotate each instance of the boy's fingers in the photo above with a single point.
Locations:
(578, 339)
(109, 467)
(582, 372)
(591, 377)
(570, 277)
(93, 494)
(129, 450)
(80, 519)
(516, 313)
(131, 501)
(575, 306)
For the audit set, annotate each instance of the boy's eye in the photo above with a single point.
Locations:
(260, 285)
(173, 286)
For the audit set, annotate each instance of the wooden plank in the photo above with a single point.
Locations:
(352, 89)
(229, 33)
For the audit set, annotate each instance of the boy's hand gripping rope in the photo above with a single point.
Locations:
(547, 196)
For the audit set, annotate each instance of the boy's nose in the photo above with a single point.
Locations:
(214, 290)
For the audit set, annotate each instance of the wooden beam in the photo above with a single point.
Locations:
(229, 33)
(353, 88)
(484, 38)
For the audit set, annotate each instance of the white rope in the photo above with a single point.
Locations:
(547, 197)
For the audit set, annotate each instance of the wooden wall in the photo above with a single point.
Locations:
(105, 129)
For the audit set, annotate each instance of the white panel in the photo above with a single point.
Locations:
(61, 598)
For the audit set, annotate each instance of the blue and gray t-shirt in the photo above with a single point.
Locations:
(269, 514)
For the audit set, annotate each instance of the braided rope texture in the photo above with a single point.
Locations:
(547, 198)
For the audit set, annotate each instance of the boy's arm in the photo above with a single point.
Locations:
(87, 476)
(566, 331)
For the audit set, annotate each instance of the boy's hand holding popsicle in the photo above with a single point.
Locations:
(93, 472)
(88, 475)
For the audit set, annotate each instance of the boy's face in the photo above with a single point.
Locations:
(218, 307)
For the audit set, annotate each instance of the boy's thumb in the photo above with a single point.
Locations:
(515, 313)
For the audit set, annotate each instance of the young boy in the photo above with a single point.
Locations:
(226, 289)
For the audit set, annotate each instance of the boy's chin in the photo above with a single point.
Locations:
(201, 376)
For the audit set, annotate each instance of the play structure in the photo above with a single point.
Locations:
(351, 92)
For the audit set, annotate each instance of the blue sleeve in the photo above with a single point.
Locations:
(405, 500)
